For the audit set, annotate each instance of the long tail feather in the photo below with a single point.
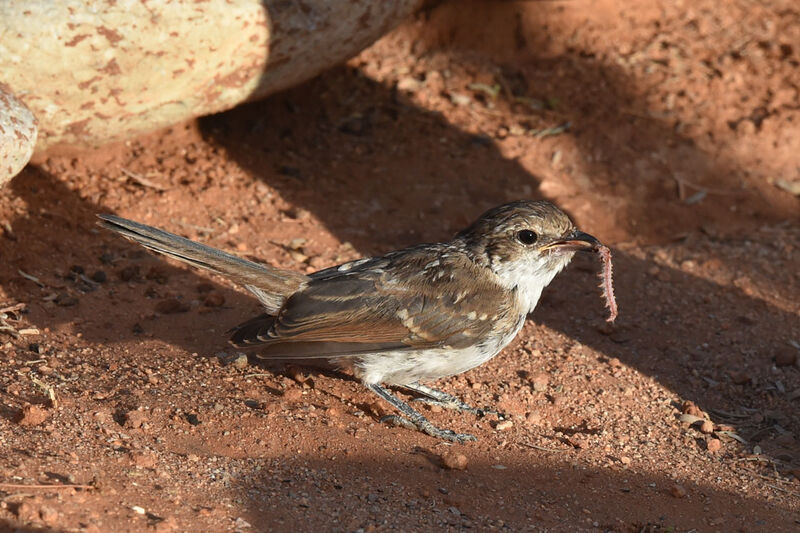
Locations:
(271, 285)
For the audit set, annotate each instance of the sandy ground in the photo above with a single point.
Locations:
(670, 130)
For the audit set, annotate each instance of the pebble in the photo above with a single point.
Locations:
(625, 460)
(714, 445)
(678, 491)
(785, 356)
(99, 276)
(293, 394)
(533, 419)
(214, 299)
(540, 382)
(739, 378)
(237, 360)
(504, 425)
(453, 460)
(65, 300)
(143, 459)
(707, 426)
(32, 415)
(129, 273)
(690, 408)
(171, 306)
(134, 419)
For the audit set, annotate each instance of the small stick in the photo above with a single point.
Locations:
(14, 486)
(606, 282)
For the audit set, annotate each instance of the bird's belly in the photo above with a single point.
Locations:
(409, 366)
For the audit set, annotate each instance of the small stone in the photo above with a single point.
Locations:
(214, 299)
(677, 491)
(540, 382)
(714, 445)
(504, 425)
(171, 306)
(159, 274)
(32, 415)
(143, 459)
(134, 419)
(138, 510)
(690, 408)
(167, 525)
(533, 419)
(99, 276)
(193, 419)
(293, 394)
(65, 300)
(707, 426)
(460, 99)
(129, 273)
(237, 360)
(625, 460)
(785, 356)
(453, 460)
(27, 512)
(241, 523)
(739, 378)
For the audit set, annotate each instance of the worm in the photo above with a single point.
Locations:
(606, 282)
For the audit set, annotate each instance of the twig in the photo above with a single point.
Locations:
(12, 308)
(30, 277)
(542, 448)
(14, 486)
(141, 180)
(48, 390)
(792, 493)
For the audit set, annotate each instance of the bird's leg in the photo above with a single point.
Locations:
(414, 420)
(447, 401)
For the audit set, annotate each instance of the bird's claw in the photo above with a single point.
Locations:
(429, 429)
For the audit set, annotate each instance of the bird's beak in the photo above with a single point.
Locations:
(577, 241)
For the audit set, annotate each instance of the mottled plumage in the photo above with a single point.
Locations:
(417, 314)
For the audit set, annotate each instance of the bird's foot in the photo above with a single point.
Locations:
(422, 424)
(457, 405)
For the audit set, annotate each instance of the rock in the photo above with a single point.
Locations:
(143, 459)
(707, 426)
(714, 445)
(214, 299)
(18, 131)
(89, 79)
(65, 300)
(540, 382)
(453, 460)
(293, 394)
(134, 419)
(171, 306)
(785, 356)
(690, 408)
(504, 425)
(32, 415)
(677, 491)
(237, 360)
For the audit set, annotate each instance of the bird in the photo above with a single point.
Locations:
(407, 317)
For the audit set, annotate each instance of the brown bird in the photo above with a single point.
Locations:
(412, 315)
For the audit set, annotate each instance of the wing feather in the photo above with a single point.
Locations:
(390, 303)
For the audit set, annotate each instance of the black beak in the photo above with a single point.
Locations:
(577, 241)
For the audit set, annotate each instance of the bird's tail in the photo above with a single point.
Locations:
(271, 285)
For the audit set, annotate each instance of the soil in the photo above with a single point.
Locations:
(669, 130)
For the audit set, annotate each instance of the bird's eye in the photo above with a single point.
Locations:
(527, 236)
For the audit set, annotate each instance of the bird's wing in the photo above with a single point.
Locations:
(385, 304)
